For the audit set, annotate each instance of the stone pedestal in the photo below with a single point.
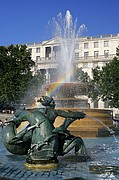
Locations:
(47, 165)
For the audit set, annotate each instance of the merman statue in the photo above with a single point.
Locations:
(66, 141)
(40, 140)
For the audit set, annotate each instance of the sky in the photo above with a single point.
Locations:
(26, 21)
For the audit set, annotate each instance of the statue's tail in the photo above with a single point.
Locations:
(9, 133)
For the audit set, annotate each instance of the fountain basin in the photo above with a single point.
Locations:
(104, 163)
(89, 127)
(72, 96)
(68, 95)
(66, 90)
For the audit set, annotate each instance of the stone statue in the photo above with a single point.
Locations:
(40, 140)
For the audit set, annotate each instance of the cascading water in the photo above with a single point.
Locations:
(109, 129)
(67, 33)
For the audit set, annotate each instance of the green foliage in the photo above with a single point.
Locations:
(94, 88)
(34, 88)
(15, 72)
(105, 82)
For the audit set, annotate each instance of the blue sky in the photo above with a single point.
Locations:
(25, 21)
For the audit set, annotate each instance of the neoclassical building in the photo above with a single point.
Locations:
(89, 53)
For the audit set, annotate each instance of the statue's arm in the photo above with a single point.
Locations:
(19, 119)
(71, 114)
(25, 116)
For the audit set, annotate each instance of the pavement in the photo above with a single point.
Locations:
(102, 165)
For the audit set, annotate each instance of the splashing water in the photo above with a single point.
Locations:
(109, 129)
(67, 34)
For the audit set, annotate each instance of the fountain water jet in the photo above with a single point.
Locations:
(73, 96)
(67, 34)
(108, 129)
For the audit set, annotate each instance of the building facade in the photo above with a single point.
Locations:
(89, 53)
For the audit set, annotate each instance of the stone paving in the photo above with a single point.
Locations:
(13, 167)
(102, 151)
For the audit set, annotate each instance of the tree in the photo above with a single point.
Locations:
(34, 88)
(105, 82)
(15, 72)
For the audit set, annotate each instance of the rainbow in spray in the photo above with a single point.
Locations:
(56, 86)
(65, 31)
(52, 88)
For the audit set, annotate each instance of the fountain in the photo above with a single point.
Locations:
(71, 95)
(105, 161)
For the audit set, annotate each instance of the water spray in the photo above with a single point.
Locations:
(112, 133)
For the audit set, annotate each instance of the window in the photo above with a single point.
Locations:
(76, 56)
(106, 43)
(85, 45)
(48, 52)
(96, 54)
(30, 50)
(106, 53)
(77, 46)
(86, 54)
(37, 50)
(38, 58)
(56, 51)
(96, 45)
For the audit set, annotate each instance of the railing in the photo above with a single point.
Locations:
(99, 58)
(100, 36)
(51, 60)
